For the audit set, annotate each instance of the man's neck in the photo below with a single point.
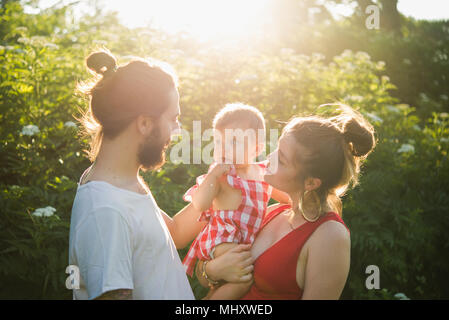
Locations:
(116, 163)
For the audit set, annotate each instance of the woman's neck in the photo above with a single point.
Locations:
(296, 214)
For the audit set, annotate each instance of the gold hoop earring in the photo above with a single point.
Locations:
(317, 200)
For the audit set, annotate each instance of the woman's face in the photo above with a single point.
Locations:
(282, 170)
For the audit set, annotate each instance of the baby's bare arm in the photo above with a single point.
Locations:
(203, 196)
(280, 196)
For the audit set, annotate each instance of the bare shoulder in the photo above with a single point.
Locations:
(333, 232)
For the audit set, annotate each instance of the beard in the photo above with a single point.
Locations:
(151, 154)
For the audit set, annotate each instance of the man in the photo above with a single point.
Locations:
(123, 244)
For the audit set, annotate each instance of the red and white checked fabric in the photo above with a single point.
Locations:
(238, 226)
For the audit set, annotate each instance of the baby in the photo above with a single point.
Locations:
(232, 196)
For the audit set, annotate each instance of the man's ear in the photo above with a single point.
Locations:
(144, 124)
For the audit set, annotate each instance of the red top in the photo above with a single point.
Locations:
(275, 268)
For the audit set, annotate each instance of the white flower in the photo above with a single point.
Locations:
(380, 65)
(406, 148)
(393, 109)
(30, 130)
(100, 42)
(23, 40)
(51, 46)
(70, 124)
(401, 296)
(38, 40)
(444, 115)
(354, 98)
(444, 140)
(375, 117)
(424, 97)
(21, 29)
(318, 56)
(349, 65)
(44, 212)
(346, 53)
(362, 55)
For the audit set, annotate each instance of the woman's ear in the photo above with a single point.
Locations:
(312, 184)
(144, 124)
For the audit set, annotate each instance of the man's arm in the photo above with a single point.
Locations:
(184, 226)
(120, 294)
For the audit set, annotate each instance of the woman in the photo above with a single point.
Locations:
(303, 249)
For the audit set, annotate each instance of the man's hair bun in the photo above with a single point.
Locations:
(101, 62)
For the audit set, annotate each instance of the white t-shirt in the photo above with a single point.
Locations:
(119, 240)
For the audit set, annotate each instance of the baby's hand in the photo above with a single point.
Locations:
(220, 169)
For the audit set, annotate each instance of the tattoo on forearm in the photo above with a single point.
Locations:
(120, 294)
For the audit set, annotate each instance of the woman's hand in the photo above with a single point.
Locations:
(235, 265)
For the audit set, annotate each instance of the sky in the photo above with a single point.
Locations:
(213, 16)
(418, 9)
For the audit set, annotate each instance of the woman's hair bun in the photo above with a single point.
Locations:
(101, 62)
(360, 135)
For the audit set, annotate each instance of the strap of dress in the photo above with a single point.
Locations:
(310, 227)
(273, 213)
(335, 217)
(234, 180)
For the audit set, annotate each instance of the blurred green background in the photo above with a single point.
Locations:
(397, 76)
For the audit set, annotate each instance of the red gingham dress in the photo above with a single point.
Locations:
(238, 226)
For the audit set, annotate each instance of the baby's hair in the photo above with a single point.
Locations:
(240, 113)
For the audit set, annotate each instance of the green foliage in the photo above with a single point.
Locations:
(416, 56)
(397, 215)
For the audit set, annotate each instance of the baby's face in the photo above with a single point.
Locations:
(236, 144)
